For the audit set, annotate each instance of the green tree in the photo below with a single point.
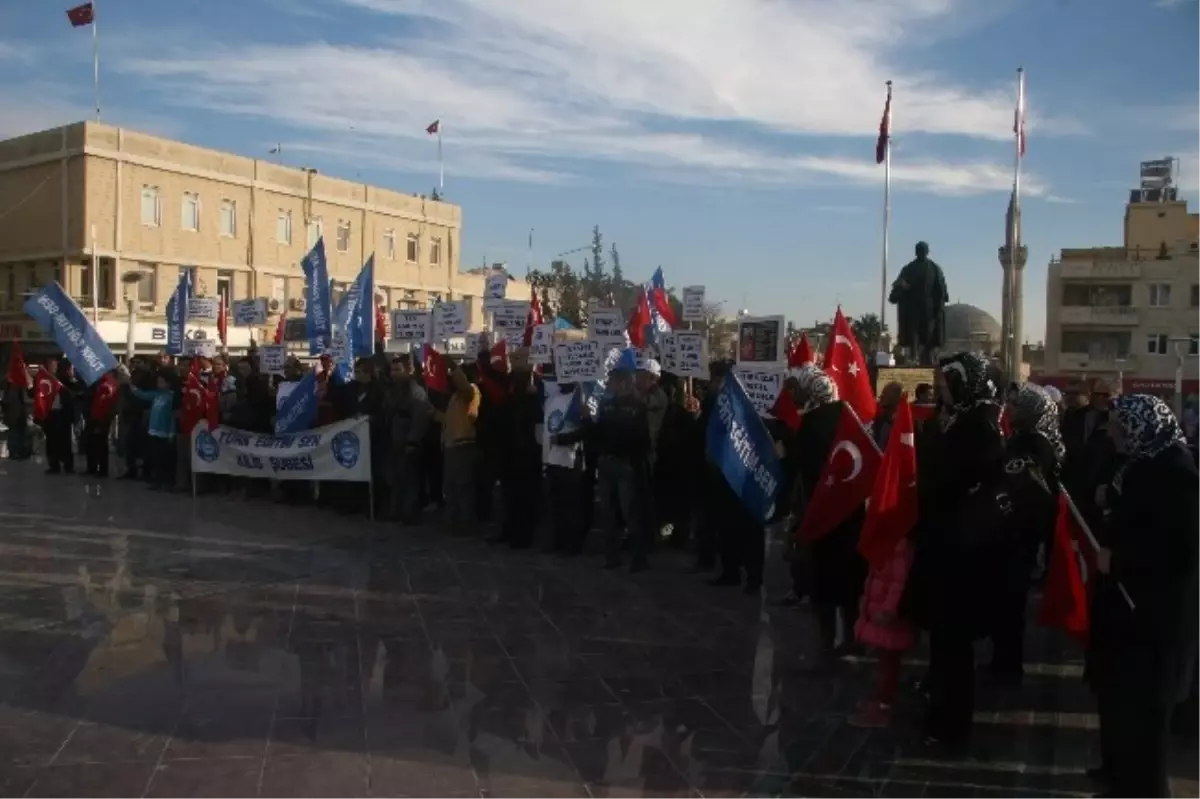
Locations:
(595, 281)
(868, 330)
(620, 288)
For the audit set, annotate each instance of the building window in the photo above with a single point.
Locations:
(343, 235)
(151, 207)
(279, 291)
(1160, 295)
(189, 218)
(85, 282)
(229, 219)
(316, 229)
(1194, 344)
(389, 244)
(435, 251)
(434, 298)
(145, 286)
(225, 286)
(283, 227)
(1156, 344)
(412, 249)
(1194, 300)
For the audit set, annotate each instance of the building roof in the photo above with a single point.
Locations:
(965, 322)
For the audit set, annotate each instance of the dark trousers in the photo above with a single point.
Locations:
(521, 483)
(431, 470)
(59, 455)
(1008, 639)
(952, 684)
(1134, 731)
(161, 461)
(404, 485)
(95, 437)
(624, 493)
(487, 468)
(567, 531)
(135, 446)
(742, 548)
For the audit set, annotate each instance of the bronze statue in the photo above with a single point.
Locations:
(920, 297)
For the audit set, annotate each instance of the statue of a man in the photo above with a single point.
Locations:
(920, 297)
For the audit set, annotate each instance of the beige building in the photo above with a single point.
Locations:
(151, 205)
(1129, 313)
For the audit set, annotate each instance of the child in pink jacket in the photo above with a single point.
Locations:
(880, 627)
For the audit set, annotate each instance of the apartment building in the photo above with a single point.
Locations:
(1130, 313)
(140, 203)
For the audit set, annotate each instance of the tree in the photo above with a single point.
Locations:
(620, 289)
(595, 282)
(560, 288)
(867, 329)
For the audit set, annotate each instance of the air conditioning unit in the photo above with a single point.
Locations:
(274, 305)
(298, 304)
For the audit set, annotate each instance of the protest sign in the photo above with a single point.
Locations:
(684, 353)
(58, 316)
(449, 319)
(510, 316)
(541, 345)
(693, 303)
(199, 347)
(340, 451)
(739, 444)
(205, 308)
(495, 289)
(249, 313)
(411, 325)
(271, 358)
(762, 341)
(607, 326)
(578, 362)
(762, 386)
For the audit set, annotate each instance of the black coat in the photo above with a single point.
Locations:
(1091, 460)
(920, 297)
(1149, 651)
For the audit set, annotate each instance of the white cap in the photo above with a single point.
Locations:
(653, 367)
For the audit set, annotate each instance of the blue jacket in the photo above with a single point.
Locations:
(162, 411)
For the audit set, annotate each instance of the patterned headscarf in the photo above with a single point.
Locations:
(1034, 411)
(1150, 426)
(966, 375)
(815, 388)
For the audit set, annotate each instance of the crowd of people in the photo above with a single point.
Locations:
(992, 461)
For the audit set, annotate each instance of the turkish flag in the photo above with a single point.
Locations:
(437, 373)
(195, 403)
(381, 330)
(279, 329)
(533, 319)
(923, 413)
(844, 363)
(104, 398)
(81, 15)
(223, 322)
(846, 479)
(638, 321)
(46, 388)
(801, 354)
(212, 400)
(892, 508)
(17, 373)
(785, 410)
(1072, 562)
(499, 356)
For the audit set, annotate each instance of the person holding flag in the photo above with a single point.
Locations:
(101, 410)
(54, 410)
(15, 410)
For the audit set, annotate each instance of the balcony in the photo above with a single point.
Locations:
(1105, 315)
(1099, 362)
(1101, 270)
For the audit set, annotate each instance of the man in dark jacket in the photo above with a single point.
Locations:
(408, 414)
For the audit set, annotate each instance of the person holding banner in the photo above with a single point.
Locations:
(1143, 639)
(161, 429)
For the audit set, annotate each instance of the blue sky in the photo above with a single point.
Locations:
(730, 141)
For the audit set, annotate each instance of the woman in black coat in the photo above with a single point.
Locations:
(1142, 643)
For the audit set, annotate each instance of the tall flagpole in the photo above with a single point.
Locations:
(96, 58)
(887, 215)
(1014, 347)
(441, 164)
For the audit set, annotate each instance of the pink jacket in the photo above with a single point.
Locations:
(884, 587)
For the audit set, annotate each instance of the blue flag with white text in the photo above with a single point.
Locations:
(360, 319)
(58, 316)
(299, 409)
(316, 294)
(739, 444)
(177, 312)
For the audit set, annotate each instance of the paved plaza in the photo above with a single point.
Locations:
(152, 647)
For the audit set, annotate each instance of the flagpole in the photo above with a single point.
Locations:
(1013, 365)
(441, 164)
(887, 217)
(96, 58)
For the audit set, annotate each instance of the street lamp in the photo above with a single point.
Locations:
(1178, 403)
(131, 280)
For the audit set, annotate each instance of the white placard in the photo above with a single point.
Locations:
(449, 319)
(578, 362)
(685, 353)
(410, 325)
(762, 386)
(248, 313)
(510, 315)
(762, 342)
(272, 358)
(206, 308)
(199, 347)
(541, 345)
(556, 421)
(339, 451)
(475, 343)
(693, 303)
(607, 326)
(495, 289)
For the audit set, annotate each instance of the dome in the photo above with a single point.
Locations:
(966, 323)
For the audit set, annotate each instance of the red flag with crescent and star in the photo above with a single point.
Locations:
(801, 353)
(46, 388)
(104, 399)
(844, 362)
(892, 509)
(846, 478)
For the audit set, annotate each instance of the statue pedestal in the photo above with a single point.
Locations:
(908, 377)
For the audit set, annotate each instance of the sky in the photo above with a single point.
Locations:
(730, 142)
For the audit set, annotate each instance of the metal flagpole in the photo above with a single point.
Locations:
(1013, 365)
(887, 216)
(441, 164)
(95, 281)
(96, 58)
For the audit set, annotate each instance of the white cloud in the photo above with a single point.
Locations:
(525, 90)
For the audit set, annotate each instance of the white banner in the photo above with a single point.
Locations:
(410, 326)
(762, 386)
(510, 317)
(199, 347)
(495, 290)
(206, 308)
(684, 353)
(271, 358)
(693, 303)
(449, 319)
(541, 347)
(578, 362)
(249, 313)
(607, 326)
(340, 451)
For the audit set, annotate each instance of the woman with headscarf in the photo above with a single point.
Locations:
(1030, 480)
(954, 533)
(838, 571)
(1142, 642)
